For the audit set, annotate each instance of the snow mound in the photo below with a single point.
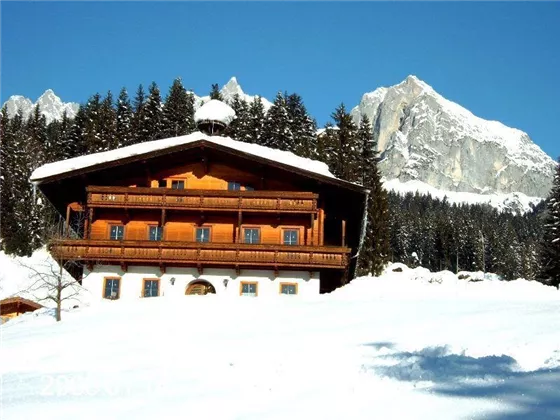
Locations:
(215, 110)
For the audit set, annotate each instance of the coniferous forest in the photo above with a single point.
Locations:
(413, 229)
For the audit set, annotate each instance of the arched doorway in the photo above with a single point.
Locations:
(200, 287)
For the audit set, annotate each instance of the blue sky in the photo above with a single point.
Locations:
(500, 60)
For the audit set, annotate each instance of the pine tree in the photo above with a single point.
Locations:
(107, 124)
(90, 133)
(302, 127)
(154, 114)
(344, 157)
(277, 131)
(550, 244)
(124, 115)
(257, 117)
(178, 111)
(139, 121)
(240, 127)
(375, 248)
(215, 92)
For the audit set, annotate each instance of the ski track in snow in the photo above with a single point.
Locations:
(408, 345)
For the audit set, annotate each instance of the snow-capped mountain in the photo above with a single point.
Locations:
(424, 137)
(50, 105)
(228, 92)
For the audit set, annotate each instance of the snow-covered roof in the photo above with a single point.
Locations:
(275, 155)
(215, 110)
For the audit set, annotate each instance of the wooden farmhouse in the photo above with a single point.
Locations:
(203, 213)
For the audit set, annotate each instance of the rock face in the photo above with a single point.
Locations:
(423, 136)
(50, 105)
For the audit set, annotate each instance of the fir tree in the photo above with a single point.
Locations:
(344, 157)
(375, 248)
(215, 92)
(277, 131)
(240, 127)
(90, 133)
(154, 114)
(256, 121)
(178, 111)
(124, 115)
(303, 128)
(550, 244)
(140, 129)
(107, 124)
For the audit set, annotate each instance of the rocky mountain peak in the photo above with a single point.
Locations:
(50, 104)
(424, 137)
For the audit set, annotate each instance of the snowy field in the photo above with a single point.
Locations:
(407, 345)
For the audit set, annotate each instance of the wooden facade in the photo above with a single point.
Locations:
(15, 306)
(207, 206)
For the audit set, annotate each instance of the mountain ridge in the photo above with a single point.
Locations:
(422, 137)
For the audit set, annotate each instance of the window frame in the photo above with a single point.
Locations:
(209, 234)
(296, 229)
(282, 284)
(150, 226)
(144, 286)
(255, 283)
(258, 228)
(105, 280)
(184, 181)
(111, 225)
(234, 183)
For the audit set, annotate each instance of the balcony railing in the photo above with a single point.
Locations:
(165, 198)
(201, 254)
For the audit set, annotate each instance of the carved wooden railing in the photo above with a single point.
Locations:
(205, 254)
(261, 201)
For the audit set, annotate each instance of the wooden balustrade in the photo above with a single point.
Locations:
(257, 201)
(205, 254)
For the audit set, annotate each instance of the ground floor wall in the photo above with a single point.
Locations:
(175, 281)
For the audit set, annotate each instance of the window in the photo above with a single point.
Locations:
(151, 288)
(288, 288)
(202, 234)
(162, 183)
(178, 184)
(249, 188)
(117, 232)
(112, 288)
(252, 235)
(233, 186)
(290, 237)
(248, 289)
(155, 233)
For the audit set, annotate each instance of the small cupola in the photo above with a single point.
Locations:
(213, 117)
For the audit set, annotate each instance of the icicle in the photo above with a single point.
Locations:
(34, 193)
(364, 226)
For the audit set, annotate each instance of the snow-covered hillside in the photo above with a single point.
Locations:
(408, 345)
(513, 202)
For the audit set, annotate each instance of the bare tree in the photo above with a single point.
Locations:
(50, 279)
(51, 282)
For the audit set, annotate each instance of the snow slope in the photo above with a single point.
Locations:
(513, 202)
(407, 345)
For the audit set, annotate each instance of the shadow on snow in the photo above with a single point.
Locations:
(531, 395)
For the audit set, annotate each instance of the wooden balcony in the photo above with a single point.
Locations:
(201, 254)
(208, 200)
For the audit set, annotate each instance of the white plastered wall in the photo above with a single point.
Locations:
(174, 282)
